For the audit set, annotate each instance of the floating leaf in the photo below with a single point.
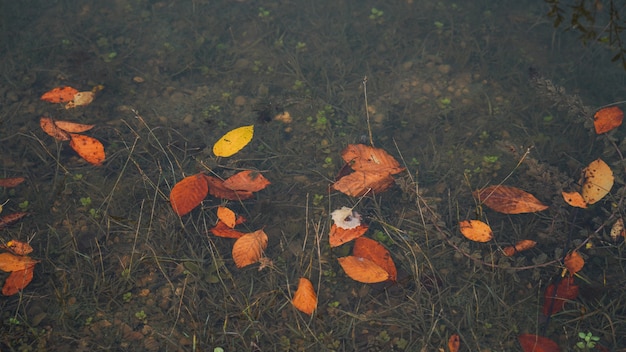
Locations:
(11, 262)
(10, 182)
(305, 298)
(217, 189)
(509, 200)
(17, 247)
(188, 193)
(363, 270)
(339, 236)
(227, 216)
(17, 280)
(80, 99)
(370, 249)
(519, 247)
(574, 199)
(249, 248)
(233, 141)
(88, 148)
(606, 119)
(555, 296)
(454, 343)
(247, 180)
(534, 343)
(476, 230)
(598, 181)
(59, 95)
(574, 262)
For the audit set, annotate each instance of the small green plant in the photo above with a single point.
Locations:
(317, 199)
(588, 341)
(328, 163)
(376, 15)
(23, 205)
(127, 297)
(263, 13)
(300, 46)
(141, 315)
(85, 201)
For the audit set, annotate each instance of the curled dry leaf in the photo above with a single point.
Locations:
(363, 270)
(80, 99)
(607, 119)
(534, 343)
(188, 193)
(227, 216)
(17, 247)
(249, 248)
(248, 180)
(519, 247)
(217, 189)
(10, 182)
(305, 298)
(11, 262)
(370, 249)
(598, 181)
(454, 343)
(11, 219)
(59, 95)
(574, 199)
(555, 296)
(574, 262)
(88, 148)
(509, 200)
(476, 230)
(233, 141)
(17, 280)
(339, 236)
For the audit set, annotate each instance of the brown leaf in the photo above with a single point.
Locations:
(555, 296)
(339, 236)
(509, 200)
(574, 262)
(10, 182)
(217, 189)
(454, 343)
(370, 249)
(17, 247)
(305, 298)
(11, 219)
(476, 230)
(249, 248)
(363, 270)
(17, 280)
(188, 193)
(248, 180)
(364, 158)
(519, 247)
(534, 343)
(47, 125)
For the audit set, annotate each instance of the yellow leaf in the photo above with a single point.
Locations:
(598, 181)
(476, 230)
(233, 141)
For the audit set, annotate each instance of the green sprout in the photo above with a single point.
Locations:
(127, 297)
(328, 162)
(317, 199)
(263, 13)
(438, 24)
(85, 201)
(141, 315)
(300, 46)
(23, 205)
(376, 15)
(588, 342)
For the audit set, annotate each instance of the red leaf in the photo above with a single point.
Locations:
(18, 280)
(555, 296)
(534, 343)
(188, 193)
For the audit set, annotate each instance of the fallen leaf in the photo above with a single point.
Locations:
(454, 343)
(476, 230)
(248, 180)
(233, 141)
(10, 182)
(574, 199)
(72, 127)
(339, 236)
(519, 247)
(534, 343)
(249, 248)
(305, 298)
(59, 95)
(359, 183)
(617, 229)
(11, 219)
(80, 99)
(607, 119)
(17, 280)
(598, 181)
(363, 270)
(222, 230)
(217, 189)
(574, 262)
(11, 262)
(509, 200)
(88, 148)
(555, 296)
(370, 249)
(188, 193)
(17, 247)
(47, 125)
(227, 216)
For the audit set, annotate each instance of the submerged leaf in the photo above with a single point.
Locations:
(233, 141)
(188, 193)
(476, 230)
(509, 200)
(248, 249)
(305, 298)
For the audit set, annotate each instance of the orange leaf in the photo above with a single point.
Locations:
(17, 247)
(339, 236)
(305, 298)
(222, 230)
(574, 199)
(519, 246)
(360, 183)
(227, 216)
(534, 343)
(217, 189)
(88, 148)
(59, 95)
(12, 262)
(574, 262)
(248, 180)
(80, 99)
(188, 193)
(607, 119)
(362, 157)
(598, 181)
(47, 125)
(72, 127)
(370, 249)
(555, 296)
(11, 219)
(249, 248)
(509, 200)
(17, 280)
(11, 181)
(476, 230)
(363, 270)
(454, 343)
